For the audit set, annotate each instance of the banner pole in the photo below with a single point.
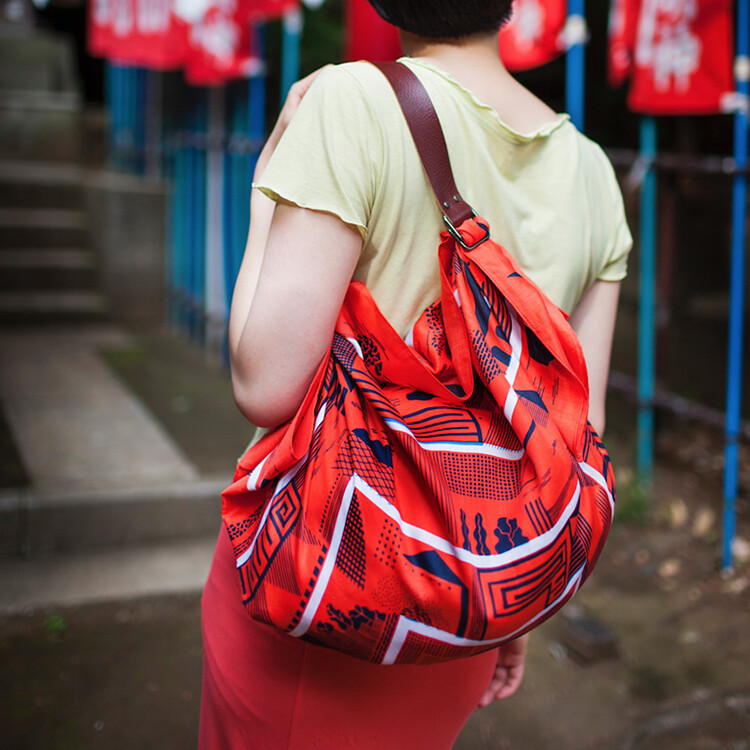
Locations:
(201, 187)
(177, 260)
(118, 110)
(129, 116)
(292, 33)
(737, 283)
(575, 68)
(215, 293)
(647, 303)
(230, 185)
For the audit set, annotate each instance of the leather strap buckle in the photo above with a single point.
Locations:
(457, 235)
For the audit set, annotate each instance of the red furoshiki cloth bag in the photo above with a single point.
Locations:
(435, 497)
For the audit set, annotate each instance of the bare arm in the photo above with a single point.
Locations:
(277, 344)
(593, 320)
(289, 290)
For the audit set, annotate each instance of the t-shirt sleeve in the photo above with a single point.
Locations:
(330, 156)
(619, 242)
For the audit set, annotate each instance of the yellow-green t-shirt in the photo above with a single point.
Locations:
(551, 196)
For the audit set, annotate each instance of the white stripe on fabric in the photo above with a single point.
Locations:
(483, 449)
(252, 484)
(356, 345)
(406, 626)
(253, 478)
(600, 480)
(532, 547)
(516, 348)
(283, 482)
(327, 569)
(320, 416)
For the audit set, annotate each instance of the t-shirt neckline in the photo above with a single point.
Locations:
(542, 132)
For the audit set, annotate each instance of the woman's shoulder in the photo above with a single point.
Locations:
(596, 163)
(358, 81)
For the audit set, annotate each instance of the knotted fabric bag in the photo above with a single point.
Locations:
(435, 497)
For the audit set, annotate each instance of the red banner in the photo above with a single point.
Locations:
(368, 36)
(137, 32)
(623, 24)
(534, 35)
(210, 39)
(264, 9)
(219, 45)
(683, 57)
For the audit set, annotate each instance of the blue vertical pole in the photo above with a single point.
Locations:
(177, 264)
(575, 69)
(215, 252)
(193, 222)
(647, 304)
(230, 186)
(189, 223)
(139, 115)
(128, 119)
(117, 114)
(737, 283)
(291, 35)
(199, 279)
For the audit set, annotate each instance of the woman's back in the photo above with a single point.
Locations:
(550, 196)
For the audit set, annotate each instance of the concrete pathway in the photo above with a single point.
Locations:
(27, 586)
(115, 509)
(75, 425)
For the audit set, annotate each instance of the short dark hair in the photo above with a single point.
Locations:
(445, 19)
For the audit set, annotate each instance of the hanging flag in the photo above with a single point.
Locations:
(210, 39)
(683, 57)
(623, 24)
(535, 34)
(262, 10)
(368, 36)
(219, 44)
(137, 32)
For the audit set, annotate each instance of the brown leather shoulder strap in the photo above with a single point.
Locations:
(428, 137)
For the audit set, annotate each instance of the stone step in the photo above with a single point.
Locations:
(38, 227)
(28, 193)
(41, 306)
(61, 258)
(55, 269)
(59, 174)
(176, 567)
(36, 523)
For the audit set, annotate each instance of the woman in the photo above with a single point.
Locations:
(340, 193)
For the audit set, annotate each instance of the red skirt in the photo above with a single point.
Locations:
(268, 691)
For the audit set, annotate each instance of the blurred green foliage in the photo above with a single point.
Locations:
(55, 624)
